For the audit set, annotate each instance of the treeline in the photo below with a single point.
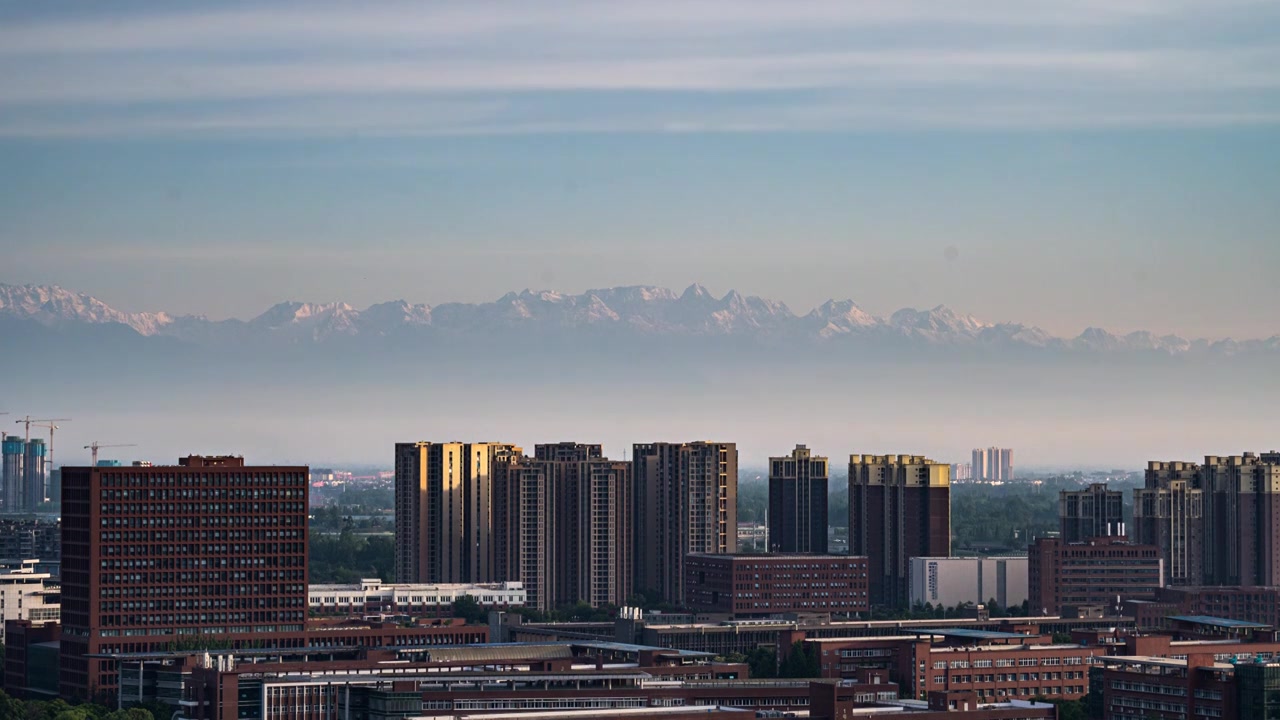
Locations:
(347, 557)
(12, 708)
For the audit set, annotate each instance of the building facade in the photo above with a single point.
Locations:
(34, 475)
(12, 447)
(798, 503)
(372, 597)
(445, 529)
(1242, 508)
(992, 464)
(954, 581)
(1168, 512)
(1102, 572)
(1093, 512)
(27, 594)
(899, 508)
(686, 500)
(747, 586)
(208, 550)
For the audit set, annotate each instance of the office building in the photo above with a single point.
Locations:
(1102, 573)
(206, 551)
(445, 530)
(564, 529)
(372, 597)
(1245, 604)
(954, 581)
(747, 586)
(798, 503)
(13, 448)
(899, 508)
(1168, 512)
(992, 464)
(33, 475)
(28, 594)
(1090, 513)
(686, 500)
(1242, 512)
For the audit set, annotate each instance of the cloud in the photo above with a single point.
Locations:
(560, 66)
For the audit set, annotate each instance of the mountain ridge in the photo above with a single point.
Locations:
(636, 309)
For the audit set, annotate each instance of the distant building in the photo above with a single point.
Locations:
(374, 597)
(1104, 571)
(992, 464)
(686, 502)
(27, 594)
(322, 476)
(445, 530)
(13, 448)
(1242, 509)
(1089, 513)
(953, 581)
(749, 586)
(899, 508)
(1169, 513)
(961, 471)
(798, 503)
(34, 475)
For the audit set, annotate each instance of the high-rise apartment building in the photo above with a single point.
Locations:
(992, 464)
(1242, 519)
(1089, 513)
(33, 474)
(445, 529)
(899, 508)
(564, 521)
(798, 503)
(12, 473)
(208, 551)
(1168, 512)
(686, 502)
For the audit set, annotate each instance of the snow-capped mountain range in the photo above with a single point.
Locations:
(636, 310)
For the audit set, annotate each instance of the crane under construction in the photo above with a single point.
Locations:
(29, 421)
(94, 446)
(51, 427)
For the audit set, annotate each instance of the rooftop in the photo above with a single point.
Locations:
(1219, 622)
(969, 634)
(1150, 661)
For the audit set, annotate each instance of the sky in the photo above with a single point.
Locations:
(1061, 163)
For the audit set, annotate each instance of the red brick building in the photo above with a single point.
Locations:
(206, 551)
(761, 585)
(1103, 572)
(1251, 604)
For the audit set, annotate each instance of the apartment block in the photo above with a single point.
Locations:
(899, 508)
(686, 500)
(1242, 508)
(1093, 512)
(992, 464)
(953, 581)
(798, 503)
(1168, 512)
(748, 586)
(1104, 571)
(205, 551)
(445, 529)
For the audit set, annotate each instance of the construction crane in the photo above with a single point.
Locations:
(29, 421)
(93, 447)
(51, 427)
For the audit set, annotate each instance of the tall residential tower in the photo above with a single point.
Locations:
(798, 503)
(1090, 513)
(1169, 513)
(899, 508)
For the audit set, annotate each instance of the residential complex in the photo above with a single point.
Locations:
(686, 502)
(992, 464)
(798, 503)
(954, 581)
(1090, 513)
(747, 586)
(1169, 513)
(899, 508)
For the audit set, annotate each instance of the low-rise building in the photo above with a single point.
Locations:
(955, 581)
(1250, 604)
(374, 597)
(747, 586)
(1103, 571)
(26, 594)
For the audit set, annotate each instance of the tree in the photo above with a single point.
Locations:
(469, 610)
(801, 662)
(763, 662)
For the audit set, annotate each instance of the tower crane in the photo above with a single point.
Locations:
(93, 448)
(51, 427)
(29, 421)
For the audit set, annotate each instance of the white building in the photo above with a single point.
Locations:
(374, 597)
(952, 581)
(28, 595)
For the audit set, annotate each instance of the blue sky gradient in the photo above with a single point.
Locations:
(1107, 163)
